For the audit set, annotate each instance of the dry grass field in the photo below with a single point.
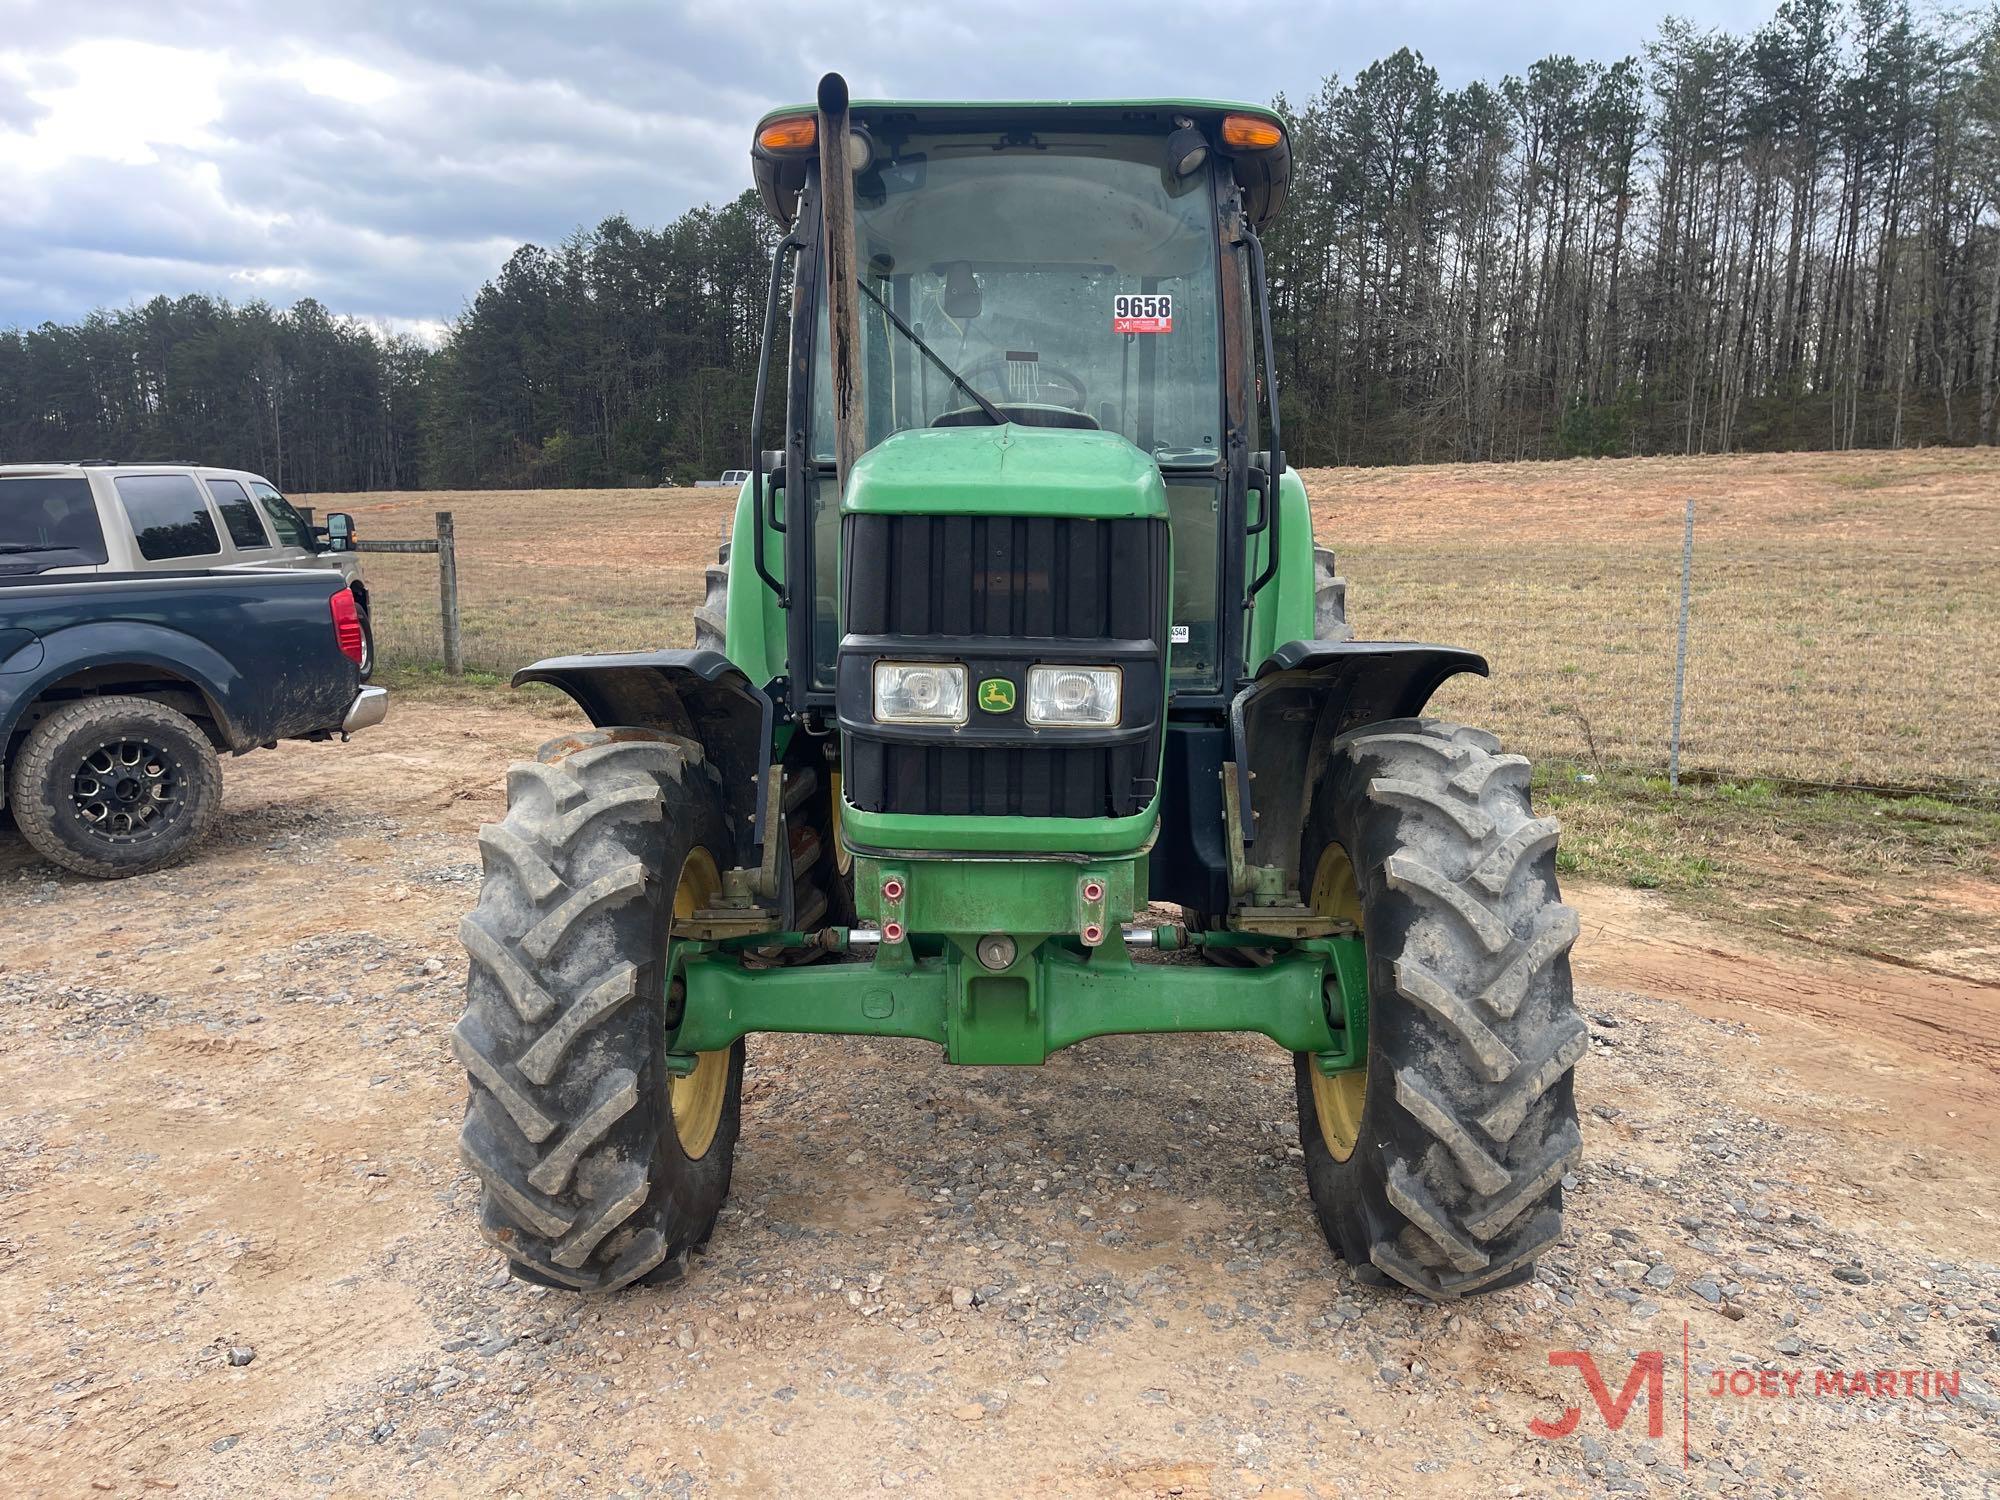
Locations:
(1845, 622)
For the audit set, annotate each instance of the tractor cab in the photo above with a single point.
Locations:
(1070, 268)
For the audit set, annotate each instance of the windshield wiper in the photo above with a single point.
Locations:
(10, 548)
(992, 411)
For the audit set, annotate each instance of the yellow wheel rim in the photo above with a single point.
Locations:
(1338, 1097)
(843, 860)
(697, 1099)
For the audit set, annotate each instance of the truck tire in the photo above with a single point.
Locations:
(1440, 1166)
(598, 1167)
(367, 643)
(113, 787)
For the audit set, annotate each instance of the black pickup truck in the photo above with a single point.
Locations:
(118, 690)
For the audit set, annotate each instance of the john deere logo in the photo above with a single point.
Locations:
(996, 695)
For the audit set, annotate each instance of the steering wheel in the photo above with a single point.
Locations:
(997, 388)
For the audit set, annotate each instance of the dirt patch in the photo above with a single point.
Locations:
(231, 1109)
(1907, 880)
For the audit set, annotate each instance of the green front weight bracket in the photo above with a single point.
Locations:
(1045, 1001)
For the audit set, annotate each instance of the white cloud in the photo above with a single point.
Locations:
(116, 101)
(341, 78)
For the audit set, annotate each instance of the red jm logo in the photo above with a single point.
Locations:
(1648, 1372)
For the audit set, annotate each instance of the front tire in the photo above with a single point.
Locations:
(114, 787)
(598, 1166)
(1440, 1168)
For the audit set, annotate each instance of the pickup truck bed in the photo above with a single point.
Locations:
(241, 658)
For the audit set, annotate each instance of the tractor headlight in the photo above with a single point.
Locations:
(1074, 697)
(919, 692)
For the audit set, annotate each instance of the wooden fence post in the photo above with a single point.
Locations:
(454, 654)
(1681, 656)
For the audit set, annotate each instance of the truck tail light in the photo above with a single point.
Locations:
(346, 624)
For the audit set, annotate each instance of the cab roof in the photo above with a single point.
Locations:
(1264, 176)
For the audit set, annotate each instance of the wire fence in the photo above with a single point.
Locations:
(1842, 637)
(1842, 664)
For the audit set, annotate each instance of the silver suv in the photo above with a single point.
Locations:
(99, 517)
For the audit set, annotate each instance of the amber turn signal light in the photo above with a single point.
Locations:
(790, 133)
(1250, 133)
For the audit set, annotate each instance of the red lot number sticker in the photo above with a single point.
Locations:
(1142, 312)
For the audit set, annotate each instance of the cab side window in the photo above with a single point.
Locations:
(289, 525)
(239, 515)
(169, 516)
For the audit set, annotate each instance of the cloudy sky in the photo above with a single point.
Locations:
(385, 158)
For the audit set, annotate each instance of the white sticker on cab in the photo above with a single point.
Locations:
(1142, 312)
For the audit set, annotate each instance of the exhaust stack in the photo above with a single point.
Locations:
(843, 306)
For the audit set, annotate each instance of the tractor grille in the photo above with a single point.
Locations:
(1002, 593)
(1034, 577)
(995, 780)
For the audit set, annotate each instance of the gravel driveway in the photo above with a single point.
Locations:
(237, 1252)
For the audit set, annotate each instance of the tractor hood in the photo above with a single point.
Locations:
(1006, 470)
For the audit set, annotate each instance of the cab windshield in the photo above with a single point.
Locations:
(1069, 279)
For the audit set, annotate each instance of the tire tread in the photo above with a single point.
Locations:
(567, 1094)
(1480, 1126)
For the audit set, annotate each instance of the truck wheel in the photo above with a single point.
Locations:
(367, 644)
(115, 786)
(1440, 1164)
(598, 1165)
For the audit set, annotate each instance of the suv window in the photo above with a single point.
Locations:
(246, 527)
(169, 516)
(48, 523)
(286, 522)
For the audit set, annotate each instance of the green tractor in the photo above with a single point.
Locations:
(1020, 630)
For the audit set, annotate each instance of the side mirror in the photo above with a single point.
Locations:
(339, 531)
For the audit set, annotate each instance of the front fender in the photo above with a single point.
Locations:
(1305, 696)
(699, 695)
